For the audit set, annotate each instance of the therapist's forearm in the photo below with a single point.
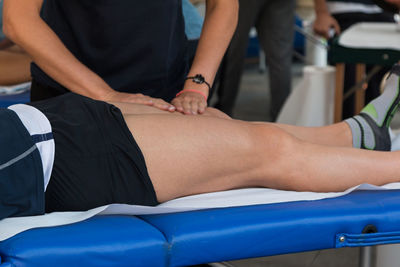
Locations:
(23, 25)
(219, 25)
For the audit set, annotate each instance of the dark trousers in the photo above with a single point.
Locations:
(274, 21)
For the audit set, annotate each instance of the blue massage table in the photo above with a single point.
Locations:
(362, 218)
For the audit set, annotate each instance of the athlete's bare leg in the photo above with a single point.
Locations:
(333, 135)
(370, 129)
(135, 109)
(337, 134)
(195, 154)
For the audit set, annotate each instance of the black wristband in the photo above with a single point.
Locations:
(199, 79)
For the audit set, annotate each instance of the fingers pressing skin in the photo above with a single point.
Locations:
(139, 99)
(190, 103)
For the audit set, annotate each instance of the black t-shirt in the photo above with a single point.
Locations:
(134, 45)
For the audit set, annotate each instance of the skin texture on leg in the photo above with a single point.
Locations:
(338, 134)
(209, 154)
(14, 67)
(333, 135)
(134, 109)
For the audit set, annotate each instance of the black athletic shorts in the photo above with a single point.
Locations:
(97, 161)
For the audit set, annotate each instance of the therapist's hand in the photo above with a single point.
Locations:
(323, 23)
(115, 96)
(190, 103)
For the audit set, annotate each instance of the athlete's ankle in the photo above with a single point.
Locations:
(370, 129)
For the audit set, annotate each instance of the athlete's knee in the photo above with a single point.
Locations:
(274, 141)
(277, 151)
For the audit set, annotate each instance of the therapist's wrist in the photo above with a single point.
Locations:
(198, 82)
(199, 79)
(197, 87)
(99, 91)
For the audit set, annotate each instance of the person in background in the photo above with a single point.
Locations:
(274, 21)
(14, 62)
(121, 51)
(340, 15)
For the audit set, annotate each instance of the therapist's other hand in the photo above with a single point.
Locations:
(190, 103)
(323, 23)
(139, 99)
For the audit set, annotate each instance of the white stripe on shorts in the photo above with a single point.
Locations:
(37, 123)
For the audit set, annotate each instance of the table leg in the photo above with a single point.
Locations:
(359, 100)
(339, 92)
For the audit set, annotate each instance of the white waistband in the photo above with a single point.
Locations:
(37, 124)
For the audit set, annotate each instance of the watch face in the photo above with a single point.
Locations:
(198, 79)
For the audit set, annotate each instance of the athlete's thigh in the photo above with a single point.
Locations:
(138, 109)
(194, 154)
